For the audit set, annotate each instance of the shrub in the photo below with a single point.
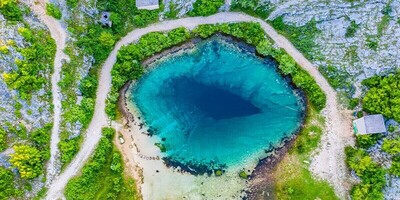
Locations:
(106, 39)
(69, 148)
(72, 3)
(88, 86)
(41, 140)
(392, 128)
(206, 7)
(371, 174)
(4, 49)
(53, 11)
(265, 48)
(6, 2)
(391, 146)
(395, 168)
(10, 10)
(27, 160)
(367, 141)
(7, 185)
(351, 30)
(353, 103)
(218, 172)
(3, 139)
(383, 96)
(243, 174)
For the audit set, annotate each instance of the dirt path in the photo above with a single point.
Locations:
(60, 36)
(338, 130)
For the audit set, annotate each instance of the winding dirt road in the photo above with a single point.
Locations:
(329, 162)
(60, 36)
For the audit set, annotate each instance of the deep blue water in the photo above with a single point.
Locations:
(217, 103)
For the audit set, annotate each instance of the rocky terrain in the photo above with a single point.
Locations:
(35, 112)
(372, 49)
(17, 113)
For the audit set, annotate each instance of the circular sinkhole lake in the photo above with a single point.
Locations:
(217, 103)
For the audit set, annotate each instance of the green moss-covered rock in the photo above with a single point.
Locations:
(161, 146)
(218, 172)
(243, 175)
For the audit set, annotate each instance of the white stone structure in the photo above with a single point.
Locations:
(369, 125)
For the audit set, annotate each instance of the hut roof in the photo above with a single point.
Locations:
(147, 4)
(370, 124)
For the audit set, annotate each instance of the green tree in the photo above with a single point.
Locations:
(27, 160)
(53, 11)
(206, 7)
(366, 141)
(7, 186)
(10, 10)
(5, 2)
(395, 168)
(391, 146)
(69, 148)
(41, 140)
(383, 96)
(372, 175)
(72, 3)
(106, 39)
(265, 48)
(88, 86)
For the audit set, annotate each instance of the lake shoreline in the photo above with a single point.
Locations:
(261, 179)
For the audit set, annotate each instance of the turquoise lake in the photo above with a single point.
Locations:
(217, 103)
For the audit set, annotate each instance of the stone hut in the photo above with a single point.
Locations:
(369, 125)
(105, 19)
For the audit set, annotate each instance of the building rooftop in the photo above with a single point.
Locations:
(370, 124)
(105, 19)
(147, 4)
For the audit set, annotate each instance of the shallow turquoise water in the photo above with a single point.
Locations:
(217, 103)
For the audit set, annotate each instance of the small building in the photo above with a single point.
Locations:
(369, 125)
(105, 19)
(147, 4)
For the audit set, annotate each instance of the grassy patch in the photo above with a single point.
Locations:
(351, 30)
(336, 78)
(251, 7)
(293, 179)
(102, 177)
(372, 42)
(303, 37)
(384, 23)
(173, 11)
